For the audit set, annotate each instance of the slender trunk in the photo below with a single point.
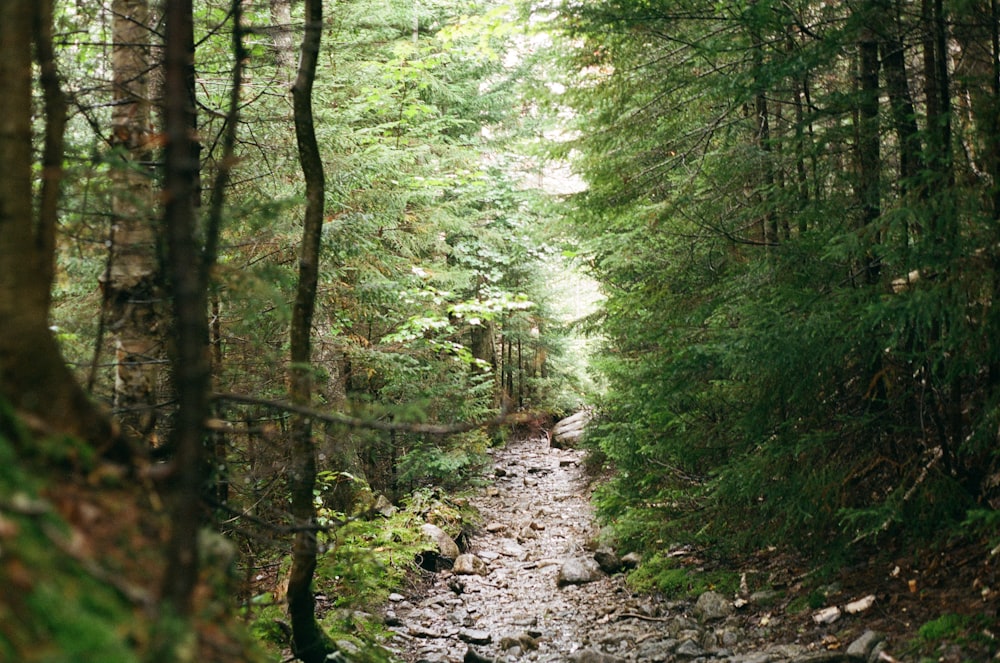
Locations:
(762, 130)
(309, 642)
(993, 143)
(186, 273)
(801, 174)
(904, 120)
(868, 154)
(218, 459)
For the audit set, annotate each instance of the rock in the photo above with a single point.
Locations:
(495, 527)
(592, 656)
(567, 432)
(711, 606)
(472, 656)
(475, 636)
(656, 651)
(396, 598)
(689, 649)
(609, 562)
(522, 641)
(863, 646)
(512, 548)
(765, 597)
(631, 560)
(827, 615)
(862, 604)
(468, 565)
(446, 547)
(384, 507)
(578, 572)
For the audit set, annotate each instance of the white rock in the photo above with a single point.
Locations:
(862, 604)
(827, 615)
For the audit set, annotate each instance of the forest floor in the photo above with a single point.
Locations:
(538, 530)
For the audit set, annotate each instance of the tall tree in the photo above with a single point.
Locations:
(132, 288)
(187, 274)
(33, 376)
(309, 642)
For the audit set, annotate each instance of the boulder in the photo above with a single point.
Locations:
(862, 647)
(444, 552)
(567, 432)
(609, 562)
(578, 572)
(711, 606)
(468, 565)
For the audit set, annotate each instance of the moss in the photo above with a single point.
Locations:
(667, 575)
(52, 609)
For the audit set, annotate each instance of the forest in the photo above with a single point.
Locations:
(276, 278)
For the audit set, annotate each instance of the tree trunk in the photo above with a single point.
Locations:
(33, 376)
(309, 642)
(186, 273)
(869, 159)
(281, 35)
(132, 286)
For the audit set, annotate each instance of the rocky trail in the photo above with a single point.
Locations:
(531, 587)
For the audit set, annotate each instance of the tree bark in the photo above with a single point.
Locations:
(186, 273)
(868, 153)
(281, 35)
(33, 376)
(309, 642)
(133, 292)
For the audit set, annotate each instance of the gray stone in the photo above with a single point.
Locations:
(512, 548)
(711, 606)
(384, 507)
(631, 560)
(446, 547)
(656, 651)
(468, 565)
(567, 432)
(764, 597)
(475, 636)
(751, 657)
(609, 562)
(472, 656)
(689, 649)
(862, 647)
(578, 572)
(593, 656)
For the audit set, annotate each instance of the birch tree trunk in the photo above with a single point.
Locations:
(132, 284)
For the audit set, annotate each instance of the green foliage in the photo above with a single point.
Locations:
(771, 379)
(450, 468)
